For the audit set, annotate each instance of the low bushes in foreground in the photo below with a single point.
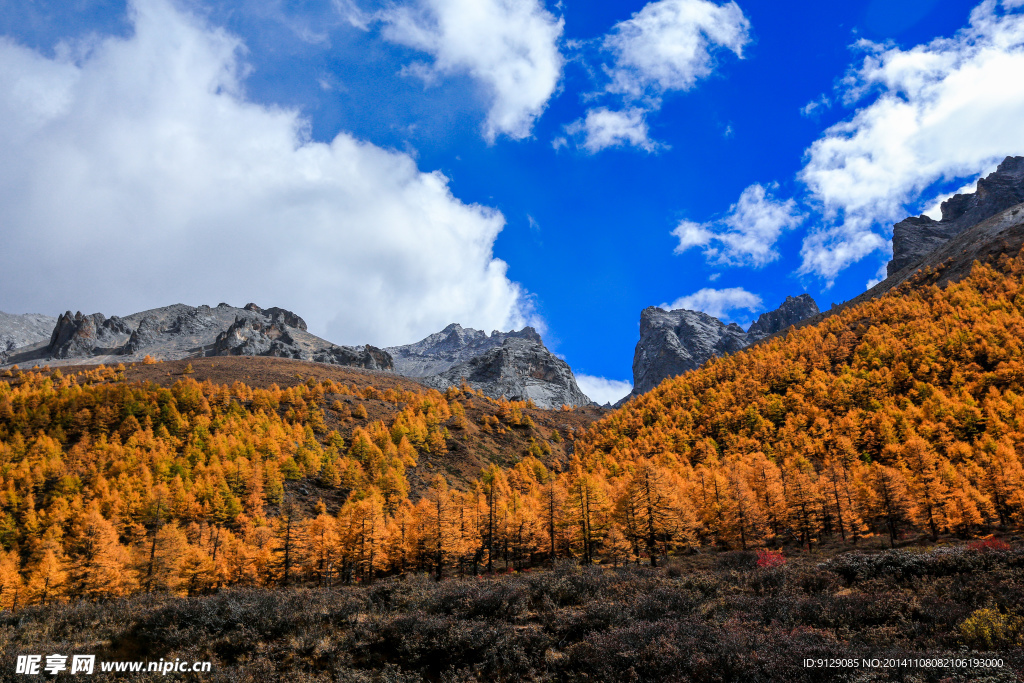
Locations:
(706, 617)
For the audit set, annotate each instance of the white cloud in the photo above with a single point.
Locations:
(934, 208)
(603, 128)
(669, 45)
(814, 106)
(352, 14)
(748, 233)
(880, 274)
(137, 174)
(602, 390)
(718, 302)
(942, 111)
(510, 46)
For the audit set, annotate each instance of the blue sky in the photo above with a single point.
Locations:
(384, 169)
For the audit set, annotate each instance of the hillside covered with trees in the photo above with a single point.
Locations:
(900, 416)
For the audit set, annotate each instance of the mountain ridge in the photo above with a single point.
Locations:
(515, 365)
(674, 342)
(180, 331)
(914, 238)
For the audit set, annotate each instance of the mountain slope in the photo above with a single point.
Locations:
(904, 415)
(915, 238)
(904, 412)
(23, 330)
(997, 230)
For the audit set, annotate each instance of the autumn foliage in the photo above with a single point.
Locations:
(109, 488)
(904, 415)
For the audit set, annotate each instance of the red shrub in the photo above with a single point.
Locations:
(988, 545)
(770, 558)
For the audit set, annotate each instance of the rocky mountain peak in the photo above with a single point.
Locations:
(455, 344)
(793, 310)
(280, 315)
(180, 331)
(78, 335)
(529, 333)
(916, 237)
(520, 369)
(674, 342)
(513, 364)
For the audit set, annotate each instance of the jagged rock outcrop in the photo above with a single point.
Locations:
(916, 237)
(793, 310)
(179, 331)
(275, 336)
(520, 369)
(146, 334)
(449, 347)
(514, 364)
(369, 357)
(674, 342)
(280, 314)
(249, 337)
(78, 335)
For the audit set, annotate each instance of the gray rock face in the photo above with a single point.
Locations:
(180, 331)
(75, 336)
(249, 337)
(793, 310)
(674, 342)
(449, 347)
(274, 313)
(369, 357)
(146, 335)
(514, 365)
(520, 369)
(276, 337)
(916, 237)
(23, 330)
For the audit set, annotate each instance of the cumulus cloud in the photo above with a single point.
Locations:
(946, 110)
(719, 303)
(667, 45)
(602, 390)
(137, 174)
(670, 45)
(509, 46)
(748, 233)
(603, 128)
